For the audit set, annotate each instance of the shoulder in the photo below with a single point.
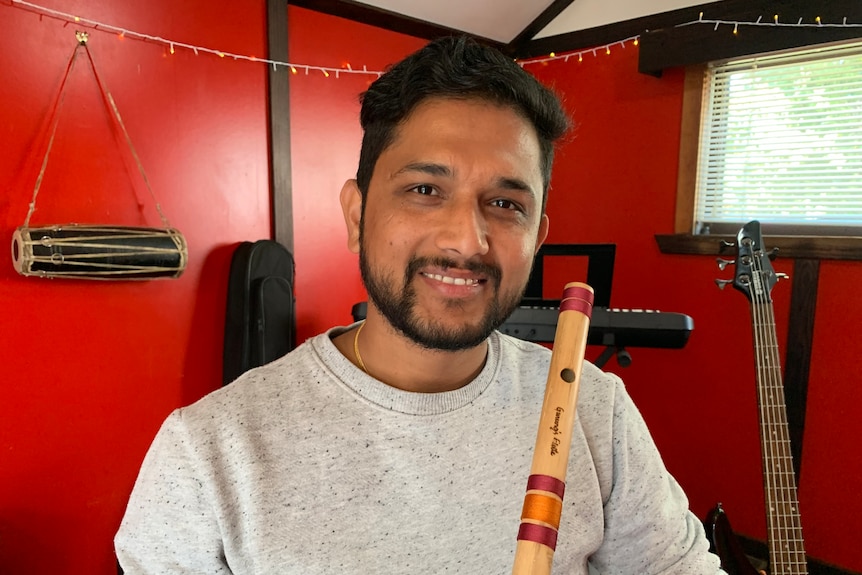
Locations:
(599, 391)
(264, 389)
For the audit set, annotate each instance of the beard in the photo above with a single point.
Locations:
(397, 303)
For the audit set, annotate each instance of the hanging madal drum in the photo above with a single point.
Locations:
(99, 252)
(96, 251)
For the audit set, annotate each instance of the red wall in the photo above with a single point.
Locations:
(615, 181)
(325, 139)
(91, 369)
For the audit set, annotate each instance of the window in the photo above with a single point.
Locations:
(781, 142)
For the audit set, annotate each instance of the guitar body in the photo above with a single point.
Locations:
(723, 542)
(755, 278)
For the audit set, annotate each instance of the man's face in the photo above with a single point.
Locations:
(451, 223)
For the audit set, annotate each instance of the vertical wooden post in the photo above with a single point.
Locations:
(797, 361)
(279, 125)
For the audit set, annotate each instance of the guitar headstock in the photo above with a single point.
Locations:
(753, 275)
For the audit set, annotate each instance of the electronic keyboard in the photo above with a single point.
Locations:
(608, 326)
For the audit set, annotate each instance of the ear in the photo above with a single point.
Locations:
(544, 225)
(351, 207)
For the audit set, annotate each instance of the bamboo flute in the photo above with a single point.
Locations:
(543, 502)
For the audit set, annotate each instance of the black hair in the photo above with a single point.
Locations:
(456, 67)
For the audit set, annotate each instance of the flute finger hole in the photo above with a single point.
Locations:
(568, 375)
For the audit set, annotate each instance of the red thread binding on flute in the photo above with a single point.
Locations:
(580, 293)
(538, 534)
(577, 304)
(577, 299)
(546, 483)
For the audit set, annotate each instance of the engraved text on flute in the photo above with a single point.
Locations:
(555, 442)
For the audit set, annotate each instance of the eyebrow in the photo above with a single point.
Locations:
(441, 170)
(428, 168)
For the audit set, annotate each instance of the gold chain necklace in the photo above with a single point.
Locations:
(356, 348)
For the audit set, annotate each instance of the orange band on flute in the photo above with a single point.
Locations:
(543, 508)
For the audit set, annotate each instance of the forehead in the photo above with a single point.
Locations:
(469, 132)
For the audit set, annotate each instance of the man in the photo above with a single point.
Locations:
(402, 444)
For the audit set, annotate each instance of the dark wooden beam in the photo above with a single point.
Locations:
(385, 19)
(600, 35)
(281, 187)
(539, 24)
(665, 43)
(673, 45)
(800, 338)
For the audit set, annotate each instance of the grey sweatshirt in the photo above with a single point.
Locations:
(308, 466)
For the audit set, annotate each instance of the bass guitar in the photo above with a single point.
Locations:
(755, 277)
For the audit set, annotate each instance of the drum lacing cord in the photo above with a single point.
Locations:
(112, 107)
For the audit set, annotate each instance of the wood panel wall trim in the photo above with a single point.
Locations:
(281, 187)
(814, 247)
(689, 144)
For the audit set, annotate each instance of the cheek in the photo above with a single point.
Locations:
(519, 261)
(390, 235)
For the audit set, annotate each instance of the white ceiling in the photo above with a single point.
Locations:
(503, 20)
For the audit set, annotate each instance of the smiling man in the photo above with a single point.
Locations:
(402, 444)
(446, 231)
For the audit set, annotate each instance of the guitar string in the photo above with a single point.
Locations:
(779, 481)
(786, 479)
(790, 512)
(761, 391)
(767, 415)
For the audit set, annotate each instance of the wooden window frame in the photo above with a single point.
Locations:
(682, 241)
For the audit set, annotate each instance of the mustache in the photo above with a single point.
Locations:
(491, 271)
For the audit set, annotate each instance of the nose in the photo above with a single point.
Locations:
(463, 230)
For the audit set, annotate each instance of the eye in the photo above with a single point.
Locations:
(507, 204)
(424, 190)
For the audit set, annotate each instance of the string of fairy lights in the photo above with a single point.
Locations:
(295, 68)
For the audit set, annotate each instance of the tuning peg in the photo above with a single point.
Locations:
(722, 283)
(725, 246)
(773, 253)
(782, 276)
(724, 263)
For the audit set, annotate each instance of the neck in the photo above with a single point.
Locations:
(391, 358)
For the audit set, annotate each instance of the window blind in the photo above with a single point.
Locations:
(781, 142)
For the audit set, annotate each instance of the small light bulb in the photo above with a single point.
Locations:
(553, 55)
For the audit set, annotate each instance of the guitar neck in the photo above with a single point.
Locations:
(784, 526)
